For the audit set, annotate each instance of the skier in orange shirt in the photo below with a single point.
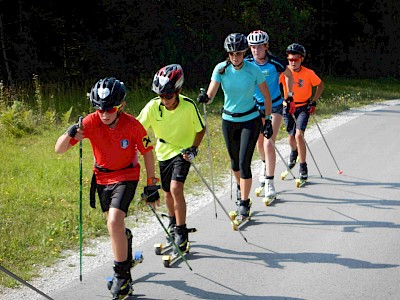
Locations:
(303, 104)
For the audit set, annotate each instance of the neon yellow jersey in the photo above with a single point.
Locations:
(174, 129)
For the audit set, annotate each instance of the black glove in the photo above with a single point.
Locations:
(72, 130)
(203, 97)
(267, 129)
(191, 152)
(150, 193)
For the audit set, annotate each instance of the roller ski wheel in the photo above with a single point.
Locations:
(170, 259)
(239, 221)
(159, 248)
(268, 200)
(284, 174)
(300, 182)
(260, 189)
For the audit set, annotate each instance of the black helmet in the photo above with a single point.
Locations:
(168, 79)
(236, 42)
(296, 49)
(107, 93)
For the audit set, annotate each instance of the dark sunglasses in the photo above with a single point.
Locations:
(110, 110)
(167, 96)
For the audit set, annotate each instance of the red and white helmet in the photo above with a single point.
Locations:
(257, 37)
(168, 79)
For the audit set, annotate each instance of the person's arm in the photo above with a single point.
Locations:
(267, 97)
(212, 90)
(63, 142)
(149, 164)
(318, 91)
(199, 137)
(288, 79)
(152, 186)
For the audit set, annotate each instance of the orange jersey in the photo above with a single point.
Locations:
(303, 82)
(117, 148)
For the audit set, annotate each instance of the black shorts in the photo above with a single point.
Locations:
(117, 195)
(301, 114)
(176, 168)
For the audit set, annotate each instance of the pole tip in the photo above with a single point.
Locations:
(340, 172)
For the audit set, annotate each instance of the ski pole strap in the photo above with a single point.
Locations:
(238, 115)
(92, 194)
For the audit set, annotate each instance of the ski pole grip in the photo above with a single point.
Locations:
(80, 122)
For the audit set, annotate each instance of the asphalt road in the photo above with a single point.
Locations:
(338, 237)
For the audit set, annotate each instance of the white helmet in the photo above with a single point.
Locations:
(257, 37)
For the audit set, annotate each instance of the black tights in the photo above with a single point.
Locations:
(240, 139)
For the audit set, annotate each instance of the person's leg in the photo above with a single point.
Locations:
(231, 133)
(248, 139)
(115, 200)
(179, 175)
(166, 168)
(270, 157)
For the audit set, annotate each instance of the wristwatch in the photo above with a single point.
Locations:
(268, 117)
(290, 94)
(152, 181)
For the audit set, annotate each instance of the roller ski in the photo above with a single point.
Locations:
(242, 214)
(270, 195)
(293, 159)
(120, 285)
(162, 249)
(258, 191)
(181, 240)
(301, 181)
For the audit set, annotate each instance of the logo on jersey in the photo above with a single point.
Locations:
(124, 143)
(300, 83)
(146, 142)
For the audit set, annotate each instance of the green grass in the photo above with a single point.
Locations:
(40, 190)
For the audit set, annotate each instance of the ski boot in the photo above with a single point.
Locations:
(181, 238)
(303, 176)
(261, 179)
(121, 284)
(270, 194)
(293, 158)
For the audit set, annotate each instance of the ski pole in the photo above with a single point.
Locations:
(280, 155)
(170, 238)
(209, 151)
(11, 274)
(316, 123)
(305, 142)
(80, 202)
(216, 198)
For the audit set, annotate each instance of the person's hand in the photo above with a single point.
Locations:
(203, 97)
(190, 153)
(290, 105)
(311, 107)
(151, 195)
(72, 130)
(267, 129)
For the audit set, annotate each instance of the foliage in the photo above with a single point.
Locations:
(131, 39)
